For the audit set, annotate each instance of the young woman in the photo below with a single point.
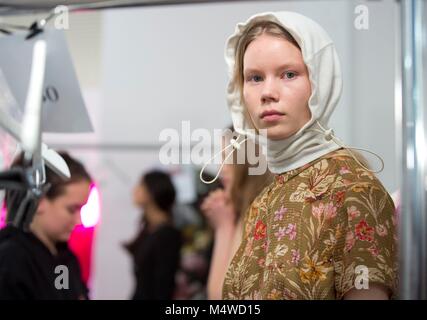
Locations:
(156, 249)
(324, 229)
(29, 260)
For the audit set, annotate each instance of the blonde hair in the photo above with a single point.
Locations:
(246, 187)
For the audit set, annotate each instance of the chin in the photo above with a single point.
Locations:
(276, 133)
(65, 237)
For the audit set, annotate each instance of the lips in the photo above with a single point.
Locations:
(269, 113)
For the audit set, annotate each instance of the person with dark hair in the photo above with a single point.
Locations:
(35, 261)
(156, 249)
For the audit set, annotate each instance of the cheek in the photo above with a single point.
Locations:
(143, 195)
(139, 195)
(306, 92)
(55, 219)
(298, 96)
(305, 86)
(136, 194)
(251, 100)
(63, 217)
(305, 96)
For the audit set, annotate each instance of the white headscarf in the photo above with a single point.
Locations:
(314, 139)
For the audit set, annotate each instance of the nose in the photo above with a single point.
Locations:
(270, 91)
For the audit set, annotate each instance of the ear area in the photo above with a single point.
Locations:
(43, 205)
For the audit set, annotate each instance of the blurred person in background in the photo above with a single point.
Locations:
(156, 248)
(29, 258)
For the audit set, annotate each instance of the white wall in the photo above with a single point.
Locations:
(164, 65)
(146, 69)
(373, 70)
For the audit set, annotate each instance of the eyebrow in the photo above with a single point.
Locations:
(283, 66)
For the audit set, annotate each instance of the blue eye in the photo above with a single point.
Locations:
(290, 75)
(255, 78)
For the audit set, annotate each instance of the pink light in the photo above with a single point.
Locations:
(91, 211)
(2, 216)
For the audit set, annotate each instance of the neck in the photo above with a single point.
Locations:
(307, 145)
(155, 216)
(35, 229)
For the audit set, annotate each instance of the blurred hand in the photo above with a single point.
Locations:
(218, 209)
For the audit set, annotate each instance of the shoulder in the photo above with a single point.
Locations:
(358, 187)
(347, 165)
(11, 253)
(168, 233)
(15, 265)
(340, 181)
(357, 181)
(12, 250)
(66, 255)
(342, 170)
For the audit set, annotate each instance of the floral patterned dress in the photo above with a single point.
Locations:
(315, 233)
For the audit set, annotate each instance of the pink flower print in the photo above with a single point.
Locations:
(349, 241)
(278, 215)
(289, 294)
(374, 250)
(339, 198)
(295, 256)
(281, 233)
(344, 170)
(281, 179)
(265, 245)
(318, 211)
(249, 246)
(291, 231)
(381, 230)
(330, 211)
(352, 213)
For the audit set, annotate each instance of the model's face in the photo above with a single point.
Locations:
(58, 217)
(276, 86)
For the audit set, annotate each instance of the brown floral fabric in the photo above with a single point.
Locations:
(315, 233)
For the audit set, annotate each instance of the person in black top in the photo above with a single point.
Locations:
(156, 249)
(37, 263)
